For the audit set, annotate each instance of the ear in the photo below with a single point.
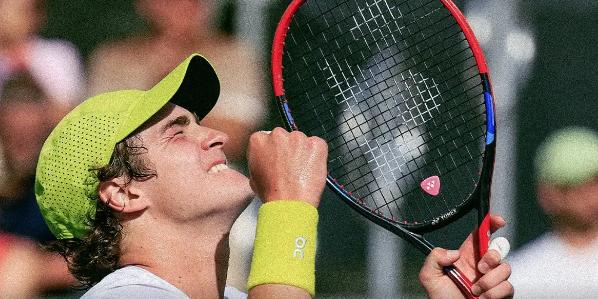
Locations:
(122, 197)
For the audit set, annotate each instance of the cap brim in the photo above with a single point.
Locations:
(199, 89)
(193, 85)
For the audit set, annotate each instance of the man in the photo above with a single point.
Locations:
(564, 262)
(139, 193)
(174, 30)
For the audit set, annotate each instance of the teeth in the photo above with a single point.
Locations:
(217, 168)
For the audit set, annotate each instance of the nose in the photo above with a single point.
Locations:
(214, 139)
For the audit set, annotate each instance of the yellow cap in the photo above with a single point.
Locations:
(84, 140)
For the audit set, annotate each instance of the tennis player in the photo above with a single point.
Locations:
(139, 195)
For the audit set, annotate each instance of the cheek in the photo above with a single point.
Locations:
(179, 168)
(583, 204)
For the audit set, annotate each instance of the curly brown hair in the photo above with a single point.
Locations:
(92, 258)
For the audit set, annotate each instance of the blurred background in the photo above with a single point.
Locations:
(542, 59)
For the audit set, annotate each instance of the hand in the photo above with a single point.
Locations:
(285, 165)
(489, 275)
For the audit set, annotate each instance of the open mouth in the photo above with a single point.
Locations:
(217, 168)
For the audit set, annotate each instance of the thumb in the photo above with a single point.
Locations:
(432, 277)
(437, 260)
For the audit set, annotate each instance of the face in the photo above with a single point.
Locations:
(193, 181)
(577, 206)
(177, 17)
(19, 19)
(23, 129)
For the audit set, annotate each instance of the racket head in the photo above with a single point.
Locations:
(400, 91)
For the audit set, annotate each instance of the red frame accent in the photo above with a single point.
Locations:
(278, 45)
(483, 232)
(473, 42)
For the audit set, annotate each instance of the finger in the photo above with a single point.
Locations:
(489, 261)
(491, 279)
(440, 258)
(265, 132)
(502, 290)
(496, 222)
(497, 251)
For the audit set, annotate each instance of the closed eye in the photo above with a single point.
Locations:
(176, 124)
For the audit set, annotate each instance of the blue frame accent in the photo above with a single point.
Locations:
(490, 127)
(287, 112)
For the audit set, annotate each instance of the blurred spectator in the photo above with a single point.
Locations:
(175, 30)
(563, 263)
(54, 64)
(25, 269)
(40, 80)
(24, 125)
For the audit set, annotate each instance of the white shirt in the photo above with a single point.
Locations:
(549, 268)
(134, 282)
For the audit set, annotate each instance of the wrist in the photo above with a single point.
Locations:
(314, 202)
(285, 245)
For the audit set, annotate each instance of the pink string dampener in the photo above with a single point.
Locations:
(431, 185)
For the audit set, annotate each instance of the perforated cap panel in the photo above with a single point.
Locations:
(67, 176)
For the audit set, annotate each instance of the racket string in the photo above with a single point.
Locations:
(398, 117)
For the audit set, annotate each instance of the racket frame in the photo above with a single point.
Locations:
(482, 190)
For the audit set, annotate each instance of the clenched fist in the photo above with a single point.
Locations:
(287, 166)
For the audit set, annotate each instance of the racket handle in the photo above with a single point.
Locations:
(483, 236)
(460, 280)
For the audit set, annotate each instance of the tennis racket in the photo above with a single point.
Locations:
(400, 91)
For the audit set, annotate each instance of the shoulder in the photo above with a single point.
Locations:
(55, 56)
(120, 49)
(539, 247)
(54, 46)
(133, 282)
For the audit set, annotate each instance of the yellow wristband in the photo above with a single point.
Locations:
(285, 245)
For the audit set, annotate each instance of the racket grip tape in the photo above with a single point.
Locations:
(285, 245)
(461, 281)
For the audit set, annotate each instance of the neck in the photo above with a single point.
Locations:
(183, 39)
(194, 263)
(578, 237)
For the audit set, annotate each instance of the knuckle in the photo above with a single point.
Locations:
(298, 134)
(484, 284)
(319, 143)
(278, 131)
(506, 268)
(422, 276)
(254, 138)
(438, 252)
(492, 257)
